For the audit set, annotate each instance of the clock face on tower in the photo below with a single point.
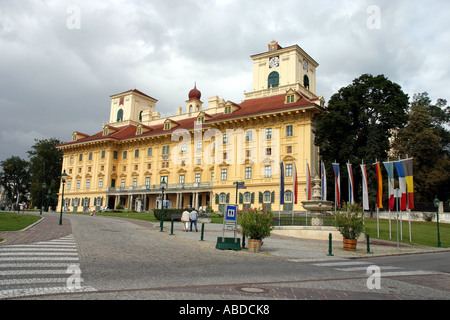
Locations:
(274, 62)
(305, 65)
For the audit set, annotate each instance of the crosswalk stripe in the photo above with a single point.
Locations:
(339, 263)
(365, 268)
(47, 264)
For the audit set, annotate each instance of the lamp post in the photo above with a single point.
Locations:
(44, 185)
(163, 187)
(436, 205)
(63, 180)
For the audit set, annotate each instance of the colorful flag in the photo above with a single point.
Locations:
(324, 181)
(408, 169)
(389, 166)
(365, 188)
(308, 182)
(281, 183)
(380, 186)
(295, 184)
(337, 185)
(401, 183)
(351, 198)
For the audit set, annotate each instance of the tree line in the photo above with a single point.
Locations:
(35, 181)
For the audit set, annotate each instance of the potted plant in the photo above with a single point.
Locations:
(350, 223)
(256, 224)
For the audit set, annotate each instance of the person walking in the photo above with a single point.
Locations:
(193, 217)
(185, 219)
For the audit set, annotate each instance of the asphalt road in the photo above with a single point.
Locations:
(132, 260)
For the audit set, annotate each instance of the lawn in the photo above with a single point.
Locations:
(13, 221)
(422, 233)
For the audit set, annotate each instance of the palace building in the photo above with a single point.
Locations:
(200, 154)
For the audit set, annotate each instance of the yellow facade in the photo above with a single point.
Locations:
(201, 153)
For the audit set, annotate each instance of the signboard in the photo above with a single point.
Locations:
(229, 223)
(231, 212)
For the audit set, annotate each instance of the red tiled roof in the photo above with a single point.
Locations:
(246, 108)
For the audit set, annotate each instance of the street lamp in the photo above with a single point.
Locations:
(63, 180)
(436, 205)
(44, 185)
(163, 187)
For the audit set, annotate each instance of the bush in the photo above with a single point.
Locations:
(349, 221)
(167, 213)
(256, 223)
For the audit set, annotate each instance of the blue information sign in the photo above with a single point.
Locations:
(231, 212)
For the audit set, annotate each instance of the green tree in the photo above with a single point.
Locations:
(15, 178)
(45, 166)
(426, 139)
(357, 126)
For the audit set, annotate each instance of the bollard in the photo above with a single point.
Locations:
(368, 243)
(203, 230)
(171, 228)
(330, 250)
(243, 240)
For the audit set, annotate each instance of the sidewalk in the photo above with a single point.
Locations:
(303, 249)
(289, 247)
(47, 228)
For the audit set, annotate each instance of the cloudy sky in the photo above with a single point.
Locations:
(61, 60)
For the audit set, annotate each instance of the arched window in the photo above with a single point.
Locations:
(247, 197)
(120, 115)
(140, 115)
(267, 196)
(273, 80)
(223, 197)
(306, 81)
(288, 196)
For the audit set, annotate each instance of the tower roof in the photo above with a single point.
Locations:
(195, 94)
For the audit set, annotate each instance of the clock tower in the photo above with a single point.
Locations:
(280, 69)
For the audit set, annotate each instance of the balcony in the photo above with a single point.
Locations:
(157, 187)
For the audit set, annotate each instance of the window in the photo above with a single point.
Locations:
(228, 109)
(71, 158)
(80, 157)
(136, 153)
(115, 154)
(223, 175)
(166, 150)
(201, 120)
(181, 179)
(247, 197)
(120, 113)
(248, 135)
(124, 168)
(167, 126)
(223, 197)
(267, 171)
(225, 139)
(69, 184)
(273, 80)
(90, 156)
(78, 184)
(288, 149)
(124, 155)
(149, 152)
(134, 182)
(164, 179)
(147, 181)
(136, 167)
(183, 147)
(248, 172)
(306, 81)
(288, 170)
(100, 183)
(267, 196)
(289, 131)
(268, 151)
(197, 177)
(269, 133)
(199, 146)
(122, 183)
(288, 196)
(103, 154)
